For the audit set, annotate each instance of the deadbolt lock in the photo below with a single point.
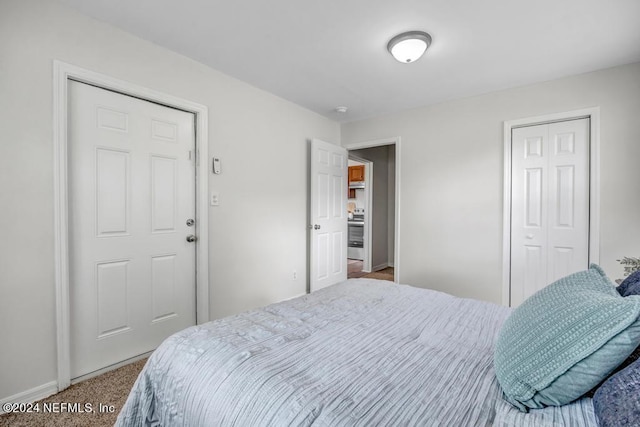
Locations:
(190, 222)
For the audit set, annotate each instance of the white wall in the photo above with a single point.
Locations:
(452, 176)
(258, 234)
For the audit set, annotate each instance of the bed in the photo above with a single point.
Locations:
(360, 353)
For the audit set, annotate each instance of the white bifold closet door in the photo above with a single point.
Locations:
(549, 205)
(131, 194)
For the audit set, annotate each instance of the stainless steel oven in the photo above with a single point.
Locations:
(355, 239)
(356, 234)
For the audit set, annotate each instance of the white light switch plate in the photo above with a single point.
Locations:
(215, 198)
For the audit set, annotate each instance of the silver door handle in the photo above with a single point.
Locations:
(316, 227)
(191, 238)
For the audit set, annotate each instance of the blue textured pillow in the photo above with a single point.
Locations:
(630, 285)
(617, 401)
(565, 339)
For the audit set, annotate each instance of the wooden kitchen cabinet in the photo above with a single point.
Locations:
(356, 173)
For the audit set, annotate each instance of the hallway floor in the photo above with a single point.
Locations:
(354, 271)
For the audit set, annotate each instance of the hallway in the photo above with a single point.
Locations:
(354, 271)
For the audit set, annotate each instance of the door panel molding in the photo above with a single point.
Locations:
(593, 113)
(62, 73)
(328, 214)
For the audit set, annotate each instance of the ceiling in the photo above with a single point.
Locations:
(329, 53)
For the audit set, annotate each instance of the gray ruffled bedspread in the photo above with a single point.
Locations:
(361, 353)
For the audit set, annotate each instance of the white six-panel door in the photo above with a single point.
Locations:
(550, 205)
(328, 264)
(131, 192)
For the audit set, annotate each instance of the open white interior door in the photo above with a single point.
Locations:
(328, 226)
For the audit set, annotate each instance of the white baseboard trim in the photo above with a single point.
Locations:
(296, 296)
(380, 266)
(110, 368)
(28, 396)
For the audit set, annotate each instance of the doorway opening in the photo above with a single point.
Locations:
(358, 221)
(373, 210)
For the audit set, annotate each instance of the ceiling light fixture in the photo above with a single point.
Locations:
(410, 46)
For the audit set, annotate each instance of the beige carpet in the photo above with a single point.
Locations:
(111, 388)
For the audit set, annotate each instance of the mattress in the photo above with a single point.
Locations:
(363, 352)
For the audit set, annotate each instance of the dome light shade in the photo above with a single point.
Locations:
(409, 46)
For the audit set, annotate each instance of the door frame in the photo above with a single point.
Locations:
(62, 73)
(592, 113)
(368, 228)
(377, 143)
